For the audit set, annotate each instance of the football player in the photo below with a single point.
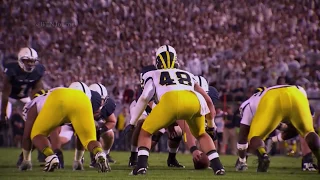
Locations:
(21, 77)
(179, 97)
(106, 121)
(48, 111)
(63, 134)
(263, 112)
(189, 138)
(288, 131)
(174, 132)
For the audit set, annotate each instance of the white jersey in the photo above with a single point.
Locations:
(39, 101)
(249, 107)
(166, 80)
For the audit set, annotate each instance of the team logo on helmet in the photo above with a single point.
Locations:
(166, 58)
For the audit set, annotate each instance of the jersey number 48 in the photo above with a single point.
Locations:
(182, 78)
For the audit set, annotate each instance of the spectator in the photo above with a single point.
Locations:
(219, 120)
(313, 91)
(229, 133)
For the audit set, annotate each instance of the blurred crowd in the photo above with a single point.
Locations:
(236, 45)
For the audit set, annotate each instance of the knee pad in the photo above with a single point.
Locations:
(156, 136)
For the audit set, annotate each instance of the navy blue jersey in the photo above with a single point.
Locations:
(213, 94)
(22, 81)
(108, 108)
(96, 100)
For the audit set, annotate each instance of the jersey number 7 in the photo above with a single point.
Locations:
(182, 78)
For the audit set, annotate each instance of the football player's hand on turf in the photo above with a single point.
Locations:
(212, 133)
(25, 165)
(128, 129)
(196, 155)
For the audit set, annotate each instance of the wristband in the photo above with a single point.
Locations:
(193, 148)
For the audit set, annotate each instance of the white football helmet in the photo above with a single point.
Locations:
(203, 83)
(27, 58)
(82, 87)
(166, 57)
(101, 89)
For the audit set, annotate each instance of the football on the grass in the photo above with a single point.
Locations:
(203, 162)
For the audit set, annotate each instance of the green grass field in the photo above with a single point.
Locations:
(280, 168)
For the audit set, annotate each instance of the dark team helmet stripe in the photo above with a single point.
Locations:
(84, 90)
(30, 51)
(100, 89)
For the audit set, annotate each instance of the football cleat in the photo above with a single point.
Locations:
(52, 163)
(25, 165)
(138, 171)
(59, 153)
(93, 162)
(308, 167)
(241, 166)
(77, 166)
(132, 162)
(102, 162)
(220, 172)
(263, 163)
(174, 163)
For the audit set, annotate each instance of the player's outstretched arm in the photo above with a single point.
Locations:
(144, 99)
(6, 90)
(26, 140)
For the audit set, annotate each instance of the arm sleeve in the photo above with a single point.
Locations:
(147, 94)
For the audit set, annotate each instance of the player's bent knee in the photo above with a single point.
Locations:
(156, 136)
(109, 133)
(34, 134)
(110, 124)
(307, 133)
(147, 129)
(88, 143)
